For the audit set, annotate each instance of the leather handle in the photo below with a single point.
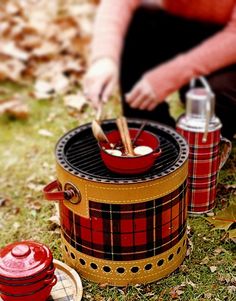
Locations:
(71, 193)
(225, 150)
(58, 195)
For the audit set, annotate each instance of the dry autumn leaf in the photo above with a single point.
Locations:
(224, 219)
(45, 133)
(177, 291)
(45, 41)
(213, 268)
(232, 234)
(76, 102)
(9, 48)
(14, 107)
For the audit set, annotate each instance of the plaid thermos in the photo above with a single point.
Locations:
(201, 128)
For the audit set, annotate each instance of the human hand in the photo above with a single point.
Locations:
(100, 80)
(142, 96)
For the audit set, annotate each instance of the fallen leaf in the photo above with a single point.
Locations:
(225, 218)
(16, 225)
(19, 111)
(207, 296)
(189, 247)
(219, 250)
(213, 268)
(45, 41)
(15, 210)
(45, 133)
(34, 205)
(227, 279)
(61, 84)
(9, 48)
(210, 213)
(4, 201)
(47, 49)
(75, 102)
(189, 282)
(43, 87)
(7, 105)
(103, 285)
(12, 8)
(55, 219)
(205, 260)
(12, 69)
(230, 186)
(176, 291)
(231, 289)
(232, 234)
(14, 107)
(35, 187)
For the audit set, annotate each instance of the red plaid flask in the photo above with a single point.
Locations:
(201, 129)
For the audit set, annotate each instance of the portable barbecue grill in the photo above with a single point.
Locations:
(121, 229)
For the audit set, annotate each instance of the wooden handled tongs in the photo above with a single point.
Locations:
(97, 129)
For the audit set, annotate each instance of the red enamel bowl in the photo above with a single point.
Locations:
(26, 271)
(30, 280)
(25, 288)
(38, 295)
(130, 165)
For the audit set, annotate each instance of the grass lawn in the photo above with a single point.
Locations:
(27, 163)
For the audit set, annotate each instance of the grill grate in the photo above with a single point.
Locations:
(78, 152)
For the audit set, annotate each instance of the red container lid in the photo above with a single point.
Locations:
(24, 259)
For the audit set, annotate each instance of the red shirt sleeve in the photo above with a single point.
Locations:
(216, 52)
(110, 26)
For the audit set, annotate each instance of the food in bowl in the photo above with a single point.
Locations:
(142, 150)
(130, 164)
(114, 152)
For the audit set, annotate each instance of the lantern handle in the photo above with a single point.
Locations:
(208, 103)
(204, 82)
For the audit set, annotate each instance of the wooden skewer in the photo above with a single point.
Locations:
(139, 132)
(125, 136)
(121, 131)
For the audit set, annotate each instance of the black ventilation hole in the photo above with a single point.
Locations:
(178, 250)
(170, 257)
(106, 269)
(134, 269)
(148, 267)
(66, 249)
(160, 262)
(120, 270)
(93, 266)
(82, 261)
(184, 242)
(72, 255)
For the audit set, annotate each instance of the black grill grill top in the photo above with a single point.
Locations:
(78, 152)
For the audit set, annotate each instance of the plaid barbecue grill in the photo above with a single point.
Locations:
(130, 231)
(203, 168)
(120, 229)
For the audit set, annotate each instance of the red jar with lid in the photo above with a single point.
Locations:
(26, 269)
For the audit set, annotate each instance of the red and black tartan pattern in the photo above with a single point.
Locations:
(129, 231)
(202, 170)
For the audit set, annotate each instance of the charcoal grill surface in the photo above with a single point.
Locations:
(78, 152)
